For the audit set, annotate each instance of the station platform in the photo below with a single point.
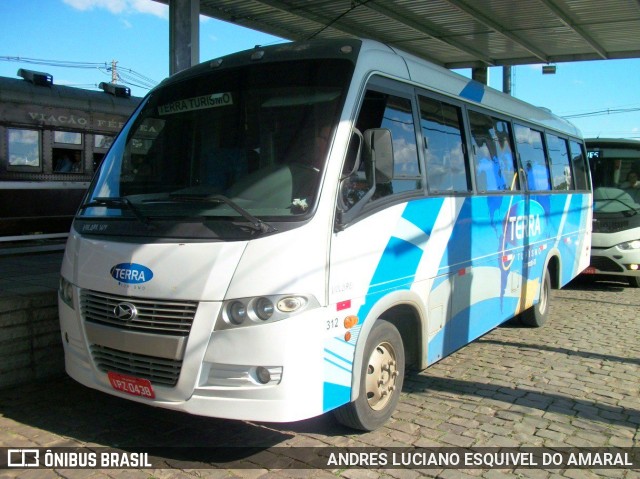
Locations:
(30, 344)
(29, 273)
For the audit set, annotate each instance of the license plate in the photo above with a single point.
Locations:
(131, 385)
(589, 270)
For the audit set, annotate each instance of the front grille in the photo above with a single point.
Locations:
(153, 316)
(157, 370)
(602, 263)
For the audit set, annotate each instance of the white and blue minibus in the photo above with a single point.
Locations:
(281, 232)
(615, 171)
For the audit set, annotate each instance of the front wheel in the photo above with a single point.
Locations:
(381, 380)
(536, 316)
(634, 281)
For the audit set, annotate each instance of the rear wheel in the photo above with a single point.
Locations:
(381, 380)
(537, 315)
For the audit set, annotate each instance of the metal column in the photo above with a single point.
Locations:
(184, 34)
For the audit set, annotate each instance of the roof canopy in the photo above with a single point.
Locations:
(454, 33)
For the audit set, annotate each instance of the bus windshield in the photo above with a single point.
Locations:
(615, 174)
(241, 144)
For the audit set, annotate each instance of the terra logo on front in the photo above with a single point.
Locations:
(131, 273)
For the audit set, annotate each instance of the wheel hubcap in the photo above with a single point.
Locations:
(382, 374)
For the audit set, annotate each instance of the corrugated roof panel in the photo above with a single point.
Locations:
(500, 46)
(433, 50)
(445, 16)
(511, 15)
(560, 40)
(626, 38)
(455, 33)
(590, 11)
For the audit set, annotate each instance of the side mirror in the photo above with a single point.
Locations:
(352, 164)
(379, 147)
(375, 167)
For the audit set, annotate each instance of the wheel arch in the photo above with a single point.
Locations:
(404, 310)
(554, 265)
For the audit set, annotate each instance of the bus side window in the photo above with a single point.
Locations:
(493, 153)
(446, 165)
(579, 166)
(559, 163)
(533, 158)
(381, 110)
(398, 119)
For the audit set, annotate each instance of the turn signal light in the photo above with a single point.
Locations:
(350, 321)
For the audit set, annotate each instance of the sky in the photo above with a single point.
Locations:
(602, 98)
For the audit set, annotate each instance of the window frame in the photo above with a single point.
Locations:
(464, 134)
(586, 176)
(566, 141)
(57, 146)
(543, 140)
(472, 154)
(39, 168)
(412, 92)
(386, 86)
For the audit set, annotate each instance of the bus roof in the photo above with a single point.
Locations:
(406, 66)
(613, 142)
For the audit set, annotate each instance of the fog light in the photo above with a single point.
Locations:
(633, 267)
(263, 375)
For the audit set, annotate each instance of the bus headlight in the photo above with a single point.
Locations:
(244, 312)
(635, 244)
(236, 312)
(65, 291)
(264, 308)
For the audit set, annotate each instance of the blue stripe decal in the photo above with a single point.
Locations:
(338, 365)
(334, 395)
(400, 259)
(337, 356)
(396, 270)
(468, 325)
(474, 91)
(494, 260)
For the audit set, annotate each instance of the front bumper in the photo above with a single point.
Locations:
(219, 372)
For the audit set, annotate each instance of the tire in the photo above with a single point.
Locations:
(381, 380)
(536, 316)
(634, 281)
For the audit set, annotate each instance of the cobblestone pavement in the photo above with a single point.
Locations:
(575, 382)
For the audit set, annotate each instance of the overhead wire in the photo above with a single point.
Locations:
(127, 75)
(354, 4)
(608, 111)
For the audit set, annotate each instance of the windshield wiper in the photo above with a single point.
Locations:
(257, 223)
(630, 211)
(117, 202)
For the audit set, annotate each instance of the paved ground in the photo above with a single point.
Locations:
(575, 382)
